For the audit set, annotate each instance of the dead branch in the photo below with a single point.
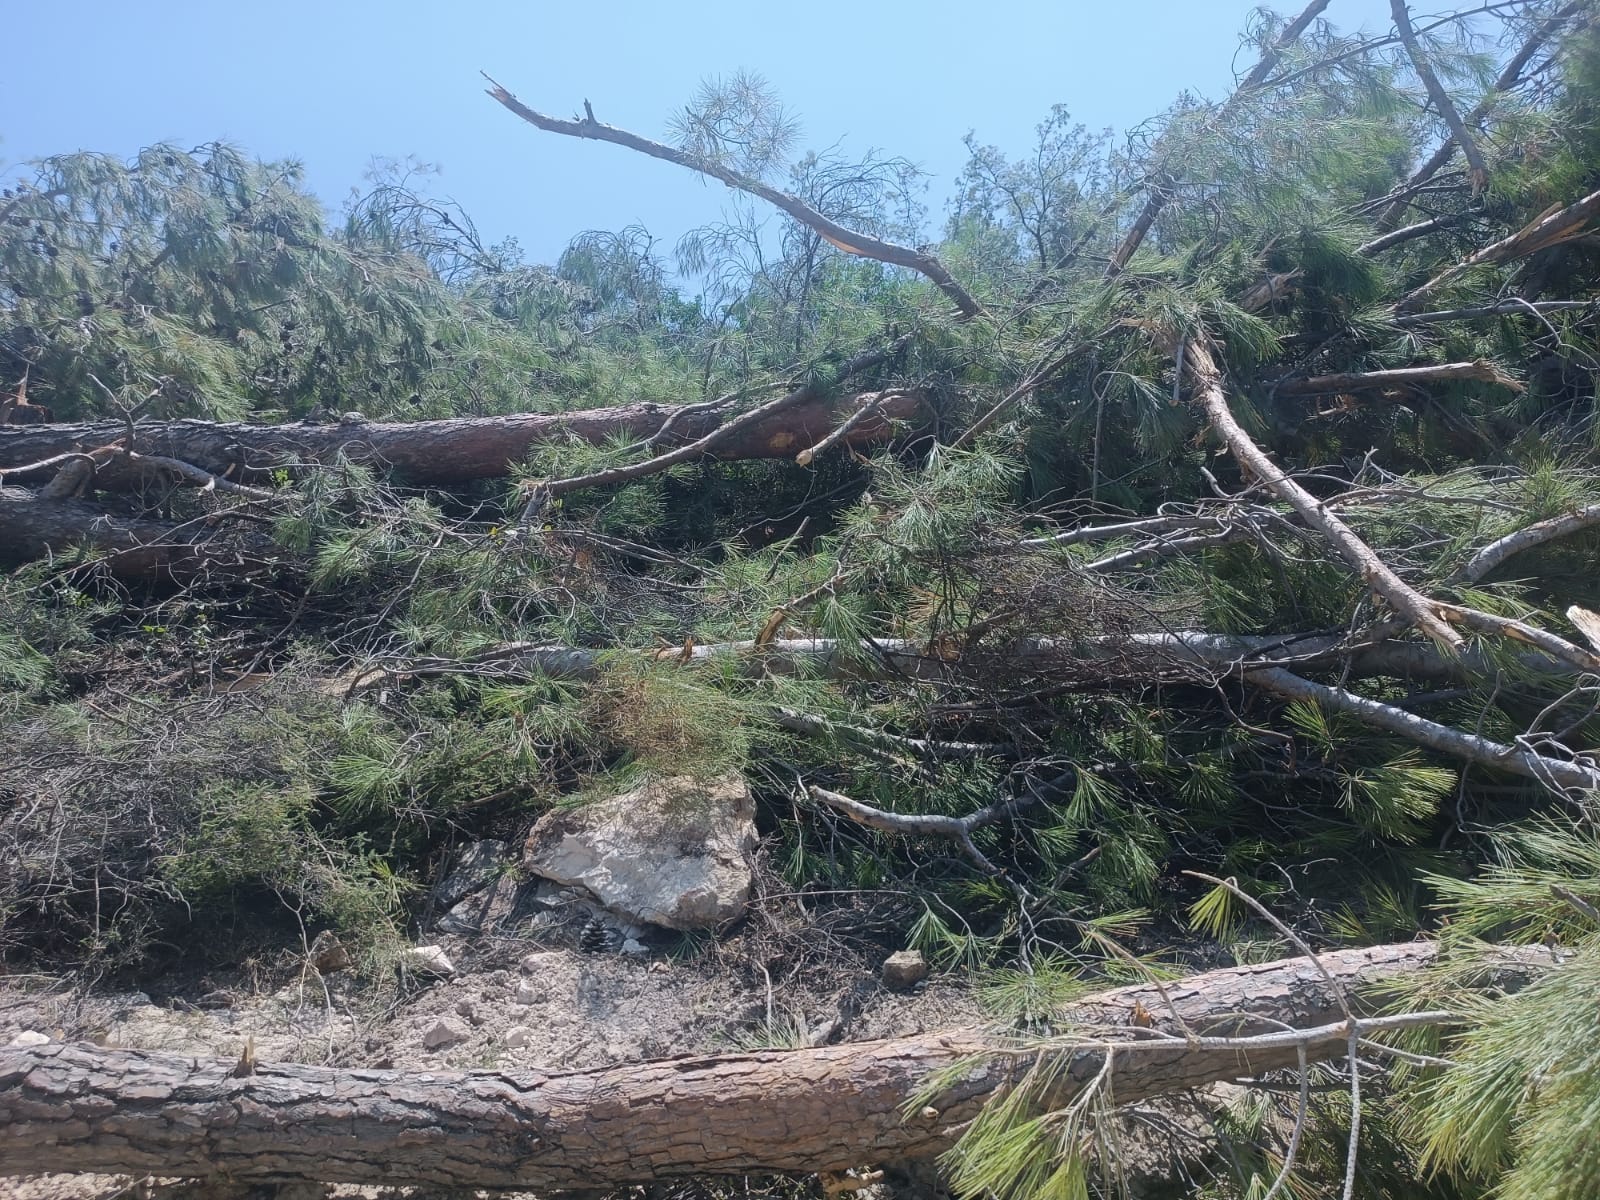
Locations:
(1560, 775)
(869, 407)
(81, 1108)
(1409, 603)
(851, 241)
(1480, 370)
(1502, 309)
(1478, 170)
(938, 825)
(1496, 552)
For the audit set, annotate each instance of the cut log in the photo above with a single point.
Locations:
(80, 1108)
(453, 450)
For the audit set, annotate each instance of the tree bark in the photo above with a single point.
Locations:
(452, 450)
(78, 1108)
(33, 526)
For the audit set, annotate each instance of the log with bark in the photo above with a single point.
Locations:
(453, 450)
(83, 1109)
(216, 456)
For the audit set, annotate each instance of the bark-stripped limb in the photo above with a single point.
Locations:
(939, 824)
(1560, 775)
(1416, 608)
(1164, 187)
(1526, 538)
(851, 241)
(1551, 228)
(1478, 169)
(80, 1108)
(1480, 370)
(458, 449)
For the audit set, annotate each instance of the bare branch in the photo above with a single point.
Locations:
(851, 241)
(1480, 370)
(1559, 775)
(1526, 538)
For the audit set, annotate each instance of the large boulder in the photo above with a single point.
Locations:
(672, 852)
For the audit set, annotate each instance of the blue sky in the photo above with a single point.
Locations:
(335, 84)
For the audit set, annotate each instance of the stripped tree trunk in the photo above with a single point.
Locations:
(82, 1109)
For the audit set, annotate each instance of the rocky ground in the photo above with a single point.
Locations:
(513, 971)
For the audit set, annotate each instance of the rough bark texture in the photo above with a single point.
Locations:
(453, 450)
(35, 526)
(78, 1108)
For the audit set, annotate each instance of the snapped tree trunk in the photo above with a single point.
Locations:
(82, 1109)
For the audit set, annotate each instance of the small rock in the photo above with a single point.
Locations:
(540, 960)
(442, 1034)
(28, 1037)
(428, 960)
(634, 947)
(518, 1036)
(328, 955)
(528, 993)
(904, 968)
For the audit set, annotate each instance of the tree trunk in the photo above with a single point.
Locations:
(453, 450)
(78, 1108)
(34, 526)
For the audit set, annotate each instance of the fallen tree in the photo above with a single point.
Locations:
(828, 1108)
(452, 450)
(77, 458)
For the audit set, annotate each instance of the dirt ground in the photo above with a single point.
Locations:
(513, 1003)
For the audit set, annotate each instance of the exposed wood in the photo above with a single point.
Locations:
(1551, 228)
(79, 1108)
(456, 449)
(1360, 557)
(851, 241)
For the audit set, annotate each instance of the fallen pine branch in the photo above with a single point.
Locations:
(1360, 557)
(1551, 228)
(827, 1108)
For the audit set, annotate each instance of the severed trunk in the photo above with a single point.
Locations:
(81, 1109)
